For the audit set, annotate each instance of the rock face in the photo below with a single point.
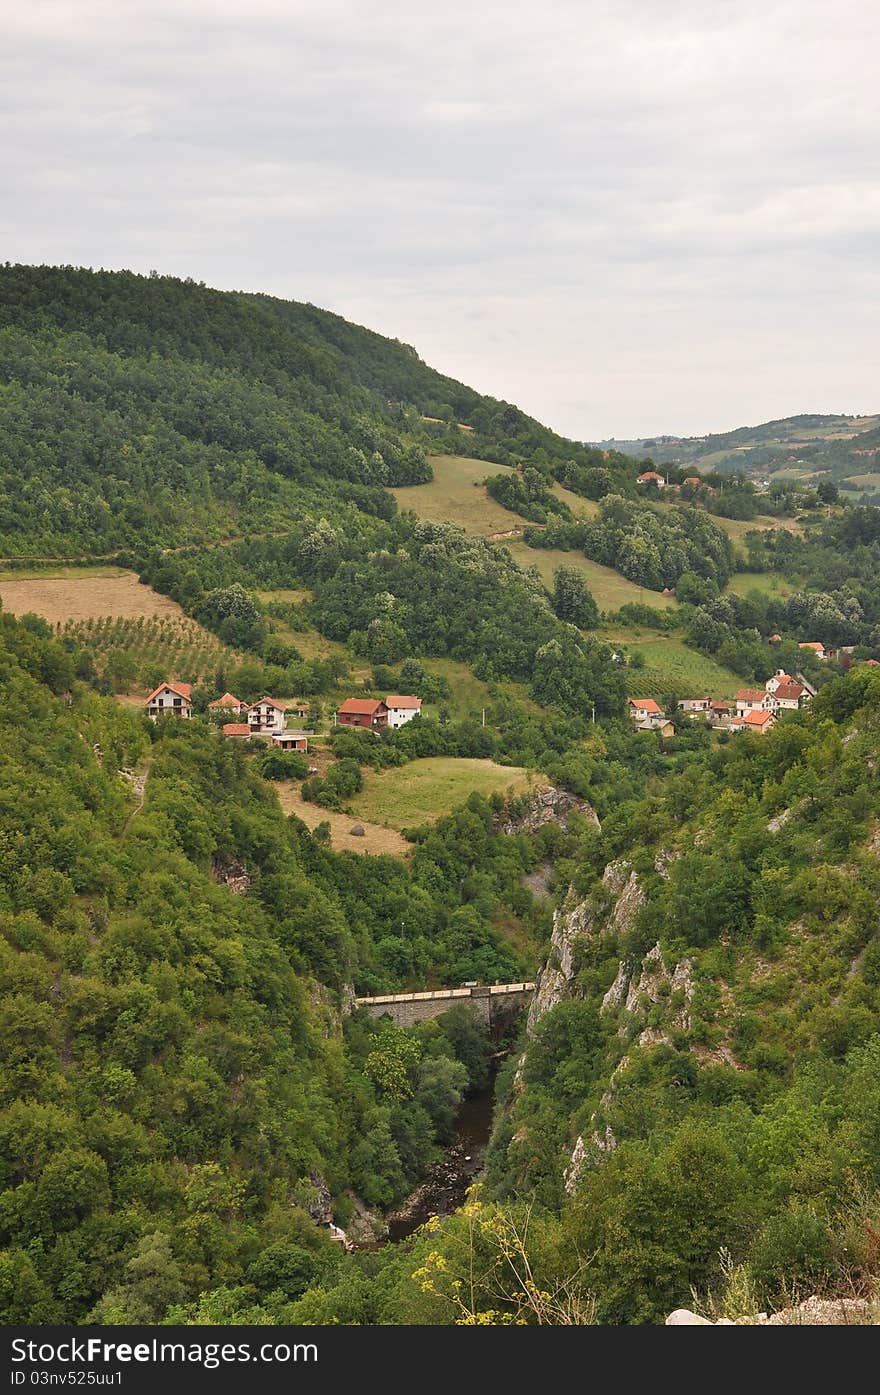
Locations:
(548, 805)
(652, 983)
(577, 920)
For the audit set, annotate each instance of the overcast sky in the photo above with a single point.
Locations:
(627, 217)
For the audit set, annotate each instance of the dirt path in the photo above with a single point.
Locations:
(139, 790)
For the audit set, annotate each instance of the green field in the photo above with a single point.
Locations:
(610, 589)
(736, 528)
(772, 584)
(424, 790)
(870, 481)
(671, 667)
(456, 495)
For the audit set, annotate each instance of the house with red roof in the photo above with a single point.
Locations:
(780, 676)
(646, 710)
(369, 713)
(240, 729)
(816, 646)
(651, 477)
(751, 700)
(227, 703)
(402, 709)
(174, 699)
(756, 720)
(266, 716)
(790, 696)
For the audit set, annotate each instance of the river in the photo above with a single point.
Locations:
(443, 1190)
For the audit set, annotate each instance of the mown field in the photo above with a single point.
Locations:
(377, 839)
(424, 790)
(71, 594)
(736, 528)
(610, 589)
(456, 495)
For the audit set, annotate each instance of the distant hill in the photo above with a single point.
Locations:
(147, 410)
(842, 446)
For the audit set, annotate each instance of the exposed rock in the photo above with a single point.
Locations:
(779, 821)
(538, 882)
(813, 1312)
(365, 1228)
(348, 998)
(320, 1207)
(547, 805)
(570, 923)
(357, 831)
(616, 994)
(234, 876)
(630, 900)
(571, 1175)
(664, 860)
(655, 983)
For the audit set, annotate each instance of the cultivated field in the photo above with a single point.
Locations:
(88, 595)
(610, 589)
(376, 840)
(424, 790)
(671, 667)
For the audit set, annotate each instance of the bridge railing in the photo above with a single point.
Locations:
(435, 994)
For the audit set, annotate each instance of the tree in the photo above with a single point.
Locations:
(572, 600)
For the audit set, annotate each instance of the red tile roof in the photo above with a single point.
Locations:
(267, 702)
(227, 700)
(754, 719)
(816, 645)
(395, 700)
(236, 729)
(787, 691)
(751, 695)
(646, 705)
(649, 475)
(361, 707)
(183, 690)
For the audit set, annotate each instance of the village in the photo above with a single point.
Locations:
(752, 709)
(267, 718)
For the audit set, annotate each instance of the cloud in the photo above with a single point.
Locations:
(628, 217)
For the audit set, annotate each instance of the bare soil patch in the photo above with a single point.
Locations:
(62, 598)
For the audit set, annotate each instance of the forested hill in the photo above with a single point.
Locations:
(147, 410)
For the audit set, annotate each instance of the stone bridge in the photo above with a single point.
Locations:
(492, 1003)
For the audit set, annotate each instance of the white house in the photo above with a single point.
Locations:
(290, 741)
(695, 707)
(789, 697)
(646, 710)
(402, 709)
(173, 698)
(779, 677)
(752, 700)
(266, 716)
(227, 703)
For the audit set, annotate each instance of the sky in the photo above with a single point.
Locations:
(629, 217)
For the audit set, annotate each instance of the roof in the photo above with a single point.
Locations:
(360, 707)
(649, 475)
(754, 719)
(290, 736)
(395, 700)
(783, 677)
(236, 729)
(789, 690)
(645, 725)
(227, 700)
(751, 695)
(775, 639)
(646, 705)
(873, 663)
(814, 644)
(183, 690)
(692, 479)
(267, 702)
(720, 705)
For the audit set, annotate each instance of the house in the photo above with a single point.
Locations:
(816, 646)
(266, 716)
(664, 726)
(228, 703)
(236, 729)
(173, 698)
(651, 477)
(790, 696)
(756, 720)
(301, 710)
(290, 741)
(775, 639)
(780, 676)
(695, 707)
(693, 480)
(369, 713)
(646, 710)
(719, 713)
(752, 700)
(402, 709)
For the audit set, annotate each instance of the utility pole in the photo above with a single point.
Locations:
(484, 716)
